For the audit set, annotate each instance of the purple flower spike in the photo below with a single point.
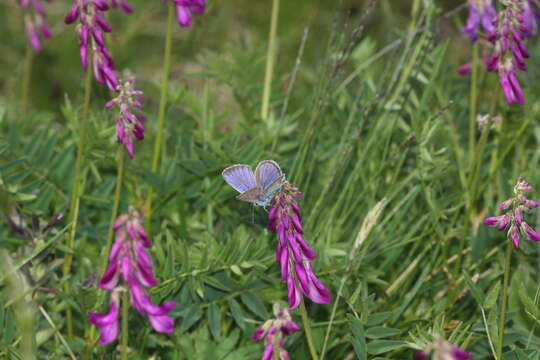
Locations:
(442, 349)
(293, 253)
(36, 28)
(129, 122)
(281, 326)
(514, 23)
(515, 207)
(528, 16)
(185, 8)
(481, 13)
(129, 259)
(90, 31)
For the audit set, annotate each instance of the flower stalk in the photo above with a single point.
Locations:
(27, 76)
(504, 300)
(116, 204)
(307, 329)
(270, 59)
(164, 87)
(125, 330)
(162, 106)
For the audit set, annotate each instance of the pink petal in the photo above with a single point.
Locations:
(110, 278)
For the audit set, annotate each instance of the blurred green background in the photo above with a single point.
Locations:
(137, 41)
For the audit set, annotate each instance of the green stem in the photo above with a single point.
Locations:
(125, 330)
(270, 58)
(76, 188)
(502, 321)
(473, 106)
(116, 204)
(276, 347)
(162, 105)
(28, 59)
(307, 329)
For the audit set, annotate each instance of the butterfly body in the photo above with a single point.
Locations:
(257, 188)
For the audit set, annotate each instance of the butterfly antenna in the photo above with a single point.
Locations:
(253, 214)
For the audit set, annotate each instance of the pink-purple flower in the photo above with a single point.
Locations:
(130, 261)
(481, 13)
(293, 253)
(513, 218)
(185, 9)
(529, 14)
(129, 122)
(109, 324)
(90, 31)
(34, 19)
(515, 22)
(441, 349)
(274, 330)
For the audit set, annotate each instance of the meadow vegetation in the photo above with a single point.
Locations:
(399, 159)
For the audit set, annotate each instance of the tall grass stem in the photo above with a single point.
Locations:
(270, 59)
(162, 105)
(76, 187)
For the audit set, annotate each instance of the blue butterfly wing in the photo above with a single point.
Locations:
(267, 172)
(240, 177)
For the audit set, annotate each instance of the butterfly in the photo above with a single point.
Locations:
(258, 188)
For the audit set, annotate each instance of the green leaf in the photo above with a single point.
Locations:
(193, 315)
(254, 304)
(214, 320)
(476, 292)
(358, 339)
(382, 346)
(381, 332)
(492, 296)
(526, 300)
(238, 314)
(378, 318)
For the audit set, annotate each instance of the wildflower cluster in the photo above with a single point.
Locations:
(513, 24)
(34, 20)
(441, 349)
(129, 121)
(293, 253)
(185, 9)
(481, 13)
(513, 219)
(128, 258)
(273, 331)
(90, 30)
